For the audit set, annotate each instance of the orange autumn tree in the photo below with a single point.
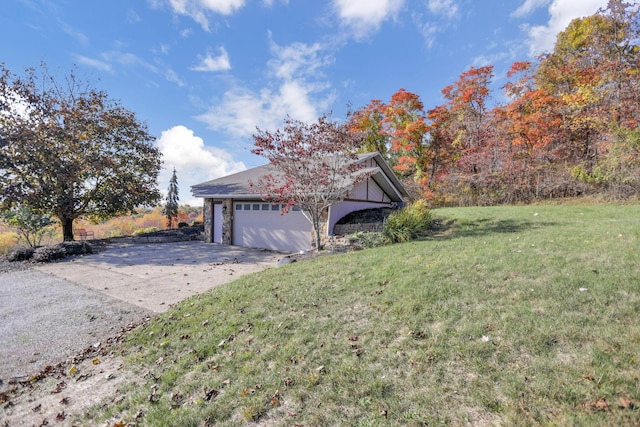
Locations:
(405, 124)
(527, 136)
(368, 121)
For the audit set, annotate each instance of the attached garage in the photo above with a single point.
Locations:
(235, 215)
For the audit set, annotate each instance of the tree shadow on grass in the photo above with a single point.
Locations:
(443, 228)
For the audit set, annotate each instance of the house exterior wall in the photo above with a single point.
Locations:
(365, 195)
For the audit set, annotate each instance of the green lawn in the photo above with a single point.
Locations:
(524, 315)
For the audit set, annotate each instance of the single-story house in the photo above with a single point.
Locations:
(234, 214)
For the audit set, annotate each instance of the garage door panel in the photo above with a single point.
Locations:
(262, 228)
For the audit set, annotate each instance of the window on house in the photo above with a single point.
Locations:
(275, 207)
(256, 206)
(239, 207)
(247, 207)
(296, 209)
(265, 207)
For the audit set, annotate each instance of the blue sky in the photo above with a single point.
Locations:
(203, 74)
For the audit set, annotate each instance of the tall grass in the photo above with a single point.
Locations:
(514, 316)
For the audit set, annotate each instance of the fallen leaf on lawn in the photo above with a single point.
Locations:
(599, 405)
(59, 387)
(64, 401)
(73, 370)
(61, 416)
(626, 403)
(95, 361)
(37, 408)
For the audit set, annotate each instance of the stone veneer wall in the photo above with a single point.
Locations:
(338, 240)
(208, 220)
(227, 221)
(345, 229)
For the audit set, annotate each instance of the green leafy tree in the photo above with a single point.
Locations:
(69, 150)
(31, 226)
(171, 207)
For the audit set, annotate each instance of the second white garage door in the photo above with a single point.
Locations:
(261, 225)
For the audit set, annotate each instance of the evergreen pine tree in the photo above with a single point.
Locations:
(171, 208)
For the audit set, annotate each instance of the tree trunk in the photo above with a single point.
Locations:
(317, 235)
(67, 229)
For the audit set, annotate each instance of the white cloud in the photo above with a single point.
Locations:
(529, 6)
(298, 60)
(128, 60)
(561, 12)
(77, 35)
(214, 63)
(447, 8)
(298, 91)
(429, 30)
(173, 77)
(241, 110)
(198, 10)
(365, 16)
(194, 162)
(269, 3)
(93, 63)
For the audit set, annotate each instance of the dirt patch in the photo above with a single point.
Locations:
(61, 394)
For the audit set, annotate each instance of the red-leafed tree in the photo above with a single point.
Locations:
(315, 166)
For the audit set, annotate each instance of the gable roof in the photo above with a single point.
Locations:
(237, 185)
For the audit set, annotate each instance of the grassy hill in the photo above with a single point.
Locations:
(515, 315)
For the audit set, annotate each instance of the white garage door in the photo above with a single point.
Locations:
(260, 225)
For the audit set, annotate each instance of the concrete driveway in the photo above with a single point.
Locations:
(156, 275)
(57, 310)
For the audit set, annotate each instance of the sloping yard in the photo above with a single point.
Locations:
(515, 316)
